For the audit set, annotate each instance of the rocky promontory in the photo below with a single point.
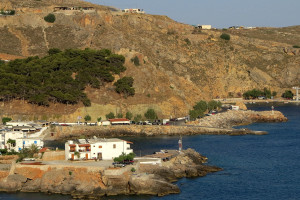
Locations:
(87, 180)
(241, 117)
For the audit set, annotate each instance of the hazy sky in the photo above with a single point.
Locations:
(219, 13)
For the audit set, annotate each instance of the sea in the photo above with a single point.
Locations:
(265, 167)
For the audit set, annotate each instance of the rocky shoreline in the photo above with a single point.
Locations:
(94, 182)
(219, 124)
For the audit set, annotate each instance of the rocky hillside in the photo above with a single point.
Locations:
(177, 65)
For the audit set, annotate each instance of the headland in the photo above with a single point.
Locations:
(89, 179)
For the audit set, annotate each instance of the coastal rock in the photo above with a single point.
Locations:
(32, 185)
(151, 184)
(13, 183)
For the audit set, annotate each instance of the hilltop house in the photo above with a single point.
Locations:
(134, 10)
(102, 149)
(207, 27)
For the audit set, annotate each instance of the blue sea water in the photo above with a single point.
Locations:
(255, 167)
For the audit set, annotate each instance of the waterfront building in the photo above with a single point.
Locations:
(102, 149)
(120, 121)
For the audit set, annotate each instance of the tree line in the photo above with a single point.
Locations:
(62, 76)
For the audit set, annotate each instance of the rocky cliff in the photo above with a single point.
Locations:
(178, 65)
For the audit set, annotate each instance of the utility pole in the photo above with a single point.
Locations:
(297, 93)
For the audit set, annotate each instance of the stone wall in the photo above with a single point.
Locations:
(53, 155)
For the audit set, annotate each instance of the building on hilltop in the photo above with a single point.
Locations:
(134, 10)
(102, 149)
(205, 27)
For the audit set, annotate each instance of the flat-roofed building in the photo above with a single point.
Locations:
(102, 149)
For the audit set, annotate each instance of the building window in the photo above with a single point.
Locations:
(100, 147)
(114, 146)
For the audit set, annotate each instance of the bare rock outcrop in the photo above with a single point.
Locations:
(139, 184)
(234, 118)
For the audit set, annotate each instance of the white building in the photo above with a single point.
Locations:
(120, 121)
(103, 149)
(23, 133)
(21, 139)
(235, 107)
(22, 143)
(134, 10)
(206, 27)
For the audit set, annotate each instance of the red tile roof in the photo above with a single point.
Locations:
(84, 145)
(42, 150)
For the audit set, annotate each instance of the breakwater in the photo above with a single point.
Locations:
(219, 124)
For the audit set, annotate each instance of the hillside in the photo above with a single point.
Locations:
(177, 65)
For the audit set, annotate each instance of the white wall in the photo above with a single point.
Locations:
(37, 134)
(26, 143)
(108, 151)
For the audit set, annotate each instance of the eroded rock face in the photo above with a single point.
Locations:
(151, 184)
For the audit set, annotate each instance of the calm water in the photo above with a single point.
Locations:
(255, 167)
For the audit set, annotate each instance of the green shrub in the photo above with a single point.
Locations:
(87, 118)
(171, 32)
(50, 18)
(6, 119)
(225, 36)
(150, 114)
(296, 46)
(124, 156)
(7, 12)
(133, 169)
(124, 86)
(99, 119)
(136, 61)
(288, 94)
(129, 115)
(110, 115)
(188, 42)
(53, 51)
(138, 118)
(12, 142)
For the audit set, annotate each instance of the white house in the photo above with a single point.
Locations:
(134, 10)
(235, 107)
(103, 149)
(23, 133)
(27, 142)
(207, 27)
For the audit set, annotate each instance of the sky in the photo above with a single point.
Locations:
(219, 13)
